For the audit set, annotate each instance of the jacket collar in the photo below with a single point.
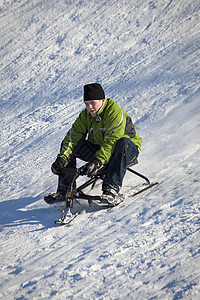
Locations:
(100, 111)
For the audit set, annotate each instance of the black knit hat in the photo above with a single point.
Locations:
(93, 91)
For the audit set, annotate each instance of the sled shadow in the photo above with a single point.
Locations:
(16, 212)
(24, 211)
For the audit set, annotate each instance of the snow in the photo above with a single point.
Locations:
(146, 56)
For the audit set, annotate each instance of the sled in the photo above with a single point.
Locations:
(77, 192)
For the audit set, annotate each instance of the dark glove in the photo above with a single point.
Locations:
(90, 168)
(58, 165)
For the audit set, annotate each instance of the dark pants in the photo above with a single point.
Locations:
(124, 154)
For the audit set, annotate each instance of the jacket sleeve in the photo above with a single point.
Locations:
(114, 126)
(73, 136)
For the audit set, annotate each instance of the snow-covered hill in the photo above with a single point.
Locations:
(146, 56)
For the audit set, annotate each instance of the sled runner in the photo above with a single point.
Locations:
(77, 193)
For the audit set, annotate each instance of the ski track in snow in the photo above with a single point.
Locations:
(146, 55)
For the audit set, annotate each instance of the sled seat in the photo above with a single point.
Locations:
(101, 172)
(135, 162)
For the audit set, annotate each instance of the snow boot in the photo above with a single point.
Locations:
(55, 197)
(108, 198)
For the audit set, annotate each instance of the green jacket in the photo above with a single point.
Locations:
(110, 124)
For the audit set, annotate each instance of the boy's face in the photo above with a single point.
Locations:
(93, 106)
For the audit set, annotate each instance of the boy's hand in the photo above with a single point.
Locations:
(58, 165)
(90, 168)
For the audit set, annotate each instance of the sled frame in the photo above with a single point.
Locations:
(77, 193)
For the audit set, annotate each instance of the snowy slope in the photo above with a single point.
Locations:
(146, 56)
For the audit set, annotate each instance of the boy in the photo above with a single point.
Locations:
(103, 134)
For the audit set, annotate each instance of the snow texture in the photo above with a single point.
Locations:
(146, 56)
